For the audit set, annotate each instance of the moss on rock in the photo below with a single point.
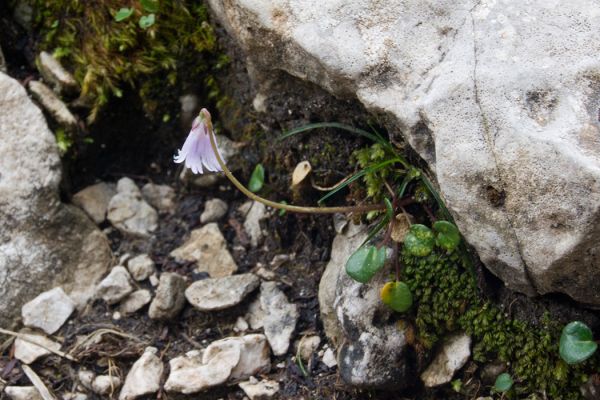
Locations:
(448, 299)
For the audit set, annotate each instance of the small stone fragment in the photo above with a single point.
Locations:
(74, 396)
(22, 393)
(94, 200)
(170, 298)
(52, 104)
(262, 390)
(232, 359)
(192, 373)
(280, 317)
(135, 301)
(240, 325)
(220, 293)
(161, 197)
(48, 311)
(25, 349)
(154, 280)
(257, 213)
(454, 354)
(55, 75)
(141, 267)
(329, 358)
(116, 286)
(255, 315)
(86, 377)
(307, 346)
(129, 213)
(106, 384)
(214, 210)
(208, 248)
(144, 376)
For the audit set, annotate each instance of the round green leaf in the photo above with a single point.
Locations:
(123, 14)
(150, 6)
(365, 262)
(576, 343)
(397, 296)
(146, 21)
(419, 241)
(448, 236)
(257, 179)
(503, 383)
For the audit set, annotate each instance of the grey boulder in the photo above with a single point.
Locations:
(501, 101)
(43, 242)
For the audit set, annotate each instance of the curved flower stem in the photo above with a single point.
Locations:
(287, 207)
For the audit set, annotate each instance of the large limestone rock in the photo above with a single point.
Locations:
(372, 348)
(500, 99)
(43, 242)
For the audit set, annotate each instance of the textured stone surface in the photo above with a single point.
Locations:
(52, 104)
(214, 210)
(371, 347)
(55, 74)
(220, 293)
(141, 267)
(129, 212)
(229, 359)
(43, 242)
(170, 297)
(116, 286)
(48, 311)
(455, 352)
(260, 390)
(22, 393)
(94, 200)
(106, 384)
(207, 247)
(135, 301)
(27, 351)
(279, 317)
(161, 197)
(343, 245)
(500, 99)
(257, 213)
(143, 377)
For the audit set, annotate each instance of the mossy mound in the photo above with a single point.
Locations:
(177, 48)
(448, 299)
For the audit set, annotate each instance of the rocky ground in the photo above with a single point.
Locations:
(196, 301)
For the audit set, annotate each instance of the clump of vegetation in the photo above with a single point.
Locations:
(447, 299)
(149, 45)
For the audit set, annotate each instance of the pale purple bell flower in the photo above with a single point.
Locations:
(197, 151)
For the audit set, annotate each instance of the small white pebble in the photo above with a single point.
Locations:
(154, 280)
(116, 316)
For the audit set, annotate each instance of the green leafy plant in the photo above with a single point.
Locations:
(123, 14)
(419, 241)
(144, 45)
(397, 296)
(576, 343)
(257, 179)
(364, 263)
(146, 21)
(504, 383)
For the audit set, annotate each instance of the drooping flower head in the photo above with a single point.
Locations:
(197, 151)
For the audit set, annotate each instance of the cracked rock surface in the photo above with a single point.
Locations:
(515, 86)
(43, 242)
